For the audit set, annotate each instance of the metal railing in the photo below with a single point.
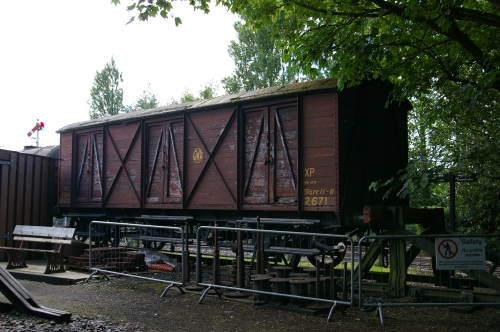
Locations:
(133, 250)
(289, 268)
(304, 269)
(427, 270)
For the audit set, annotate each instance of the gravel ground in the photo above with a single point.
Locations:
(127, 304)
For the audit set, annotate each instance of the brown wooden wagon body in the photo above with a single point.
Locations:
(305, 150)
(28, 190)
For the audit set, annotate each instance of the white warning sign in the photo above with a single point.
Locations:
(460, 253)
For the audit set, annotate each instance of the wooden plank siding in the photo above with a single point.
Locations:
(122, 165)
(304, 149)
(255, 189)
(211, 159)
(285, 128)
(12, 193)
(271, 154)
(164, 167)
(88, 168)
(320, 180)
(6, 202)
(65, 169)
(27, 193)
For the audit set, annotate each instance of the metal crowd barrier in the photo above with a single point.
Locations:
(274, 266)
(427, 270)
(133, 250)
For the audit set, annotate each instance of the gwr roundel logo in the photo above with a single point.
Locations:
(197, 155)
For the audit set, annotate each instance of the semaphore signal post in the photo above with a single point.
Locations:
(38, 126)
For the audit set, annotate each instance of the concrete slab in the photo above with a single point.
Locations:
(35, 269)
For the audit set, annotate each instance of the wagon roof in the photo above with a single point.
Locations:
(282, 90)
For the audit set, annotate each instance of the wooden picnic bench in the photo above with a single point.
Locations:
(57, 236)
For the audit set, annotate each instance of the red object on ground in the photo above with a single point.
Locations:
(161, 267)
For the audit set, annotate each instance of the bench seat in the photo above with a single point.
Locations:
(42, 240)
(57, 236)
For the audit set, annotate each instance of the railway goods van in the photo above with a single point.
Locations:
(301, 151)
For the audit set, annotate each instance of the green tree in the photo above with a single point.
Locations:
(106, 94)
(466, 145)
(418, 46)
(146, 100)
(257, 59)
(441, 55)
(207, 91)
(187, 97)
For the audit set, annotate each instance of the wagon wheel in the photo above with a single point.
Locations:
(291, 260)
(330, 250)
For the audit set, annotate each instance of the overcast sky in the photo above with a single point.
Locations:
(51, 50)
